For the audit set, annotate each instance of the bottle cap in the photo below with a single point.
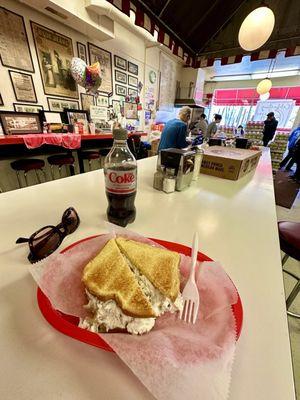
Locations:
(120, 134)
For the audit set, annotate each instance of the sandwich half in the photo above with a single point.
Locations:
(128, 285)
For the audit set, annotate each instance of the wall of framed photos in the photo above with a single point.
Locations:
(128, 64)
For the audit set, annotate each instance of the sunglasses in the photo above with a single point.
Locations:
(47, 239)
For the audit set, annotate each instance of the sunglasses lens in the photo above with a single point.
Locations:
(45, 242)
(70, 220)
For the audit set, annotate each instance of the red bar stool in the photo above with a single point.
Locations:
(289, 236)
(89, 156)
(26, 165)
(60, 160)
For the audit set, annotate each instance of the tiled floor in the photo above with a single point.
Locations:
(292, 265)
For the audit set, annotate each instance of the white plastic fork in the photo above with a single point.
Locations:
(190, 292)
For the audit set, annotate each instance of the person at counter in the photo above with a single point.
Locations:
(269, 128)
(175, 131)
(213, 126)
(202, 124)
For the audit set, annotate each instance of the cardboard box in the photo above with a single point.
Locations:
(229, 163)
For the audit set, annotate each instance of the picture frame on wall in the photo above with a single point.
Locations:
(116, 106)
(104, 58)
(27, 108)
(120, 63)
(130, 110)
(132, 81)
(58, 105)
(133, 68)
(87, 100)
(81, 51)
(132, 92)
(14, 42)
(23, 86)
(120, 77)
(102, 101)
(120, 90)
(70, 115)
(54, 53)
(19, 123)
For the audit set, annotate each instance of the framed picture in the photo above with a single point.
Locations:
(28, 108)
(120, 62)
(99, 113)
(52, 117)
(102, 101)
(116, 106)
(130, 110)
(15, 123)
(87, 100)
(120, 77)
(132, 92)
(23, 86)
(76, 115)
(59, 105)
(133, 68)
(54, 52)
(121, 90)
(1, 101)
(132, 81)
(14, 47)
(81, 51)
(104, 58)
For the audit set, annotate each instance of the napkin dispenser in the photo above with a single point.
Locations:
(183, 163)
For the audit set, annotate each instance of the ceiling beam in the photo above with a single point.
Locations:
(164, 7)
(166, 27)
(222, 26)
(208, 11)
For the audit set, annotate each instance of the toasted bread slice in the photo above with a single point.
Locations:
(159, 265)
(108, 276)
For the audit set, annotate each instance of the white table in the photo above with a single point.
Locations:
(236, 221)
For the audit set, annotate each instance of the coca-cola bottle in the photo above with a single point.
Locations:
(120, 172)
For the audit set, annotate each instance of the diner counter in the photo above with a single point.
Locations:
(18, 139)
(237, 226)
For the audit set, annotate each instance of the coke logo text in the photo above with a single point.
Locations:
(128, 177)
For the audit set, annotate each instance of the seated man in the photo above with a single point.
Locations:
(175, 131)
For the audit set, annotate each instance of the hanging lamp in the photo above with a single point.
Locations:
(264, 86)
(256, 28)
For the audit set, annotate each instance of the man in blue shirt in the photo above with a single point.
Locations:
(175, 130)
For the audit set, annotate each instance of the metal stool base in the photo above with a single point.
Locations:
(294, 292)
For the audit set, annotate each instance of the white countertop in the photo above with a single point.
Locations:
(237, 225)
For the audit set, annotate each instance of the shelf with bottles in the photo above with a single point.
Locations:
(254, 127)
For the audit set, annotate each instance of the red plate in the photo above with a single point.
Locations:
(68, 324)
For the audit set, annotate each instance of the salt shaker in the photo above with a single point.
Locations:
(169, 181)
(158, 178)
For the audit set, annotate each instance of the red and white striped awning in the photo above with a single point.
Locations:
(143, 20)
(203, 62)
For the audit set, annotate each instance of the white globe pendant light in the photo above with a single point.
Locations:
(264, 97)
(264, 86)
(256, 28)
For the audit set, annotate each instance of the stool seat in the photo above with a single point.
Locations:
(61, 160)
(27, 164)
(90, 155)
(289, 236)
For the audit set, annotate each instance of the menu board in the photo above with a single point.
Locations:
(167, 82)
(281, 108)
(14, 46)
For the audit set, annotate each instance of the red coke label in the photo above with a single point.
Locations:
(122, 181)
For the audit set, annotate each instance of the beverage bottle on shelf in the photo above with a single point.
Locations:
(120, 171)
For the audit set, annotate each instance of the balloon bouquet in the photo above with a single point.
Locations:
(87, 76)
